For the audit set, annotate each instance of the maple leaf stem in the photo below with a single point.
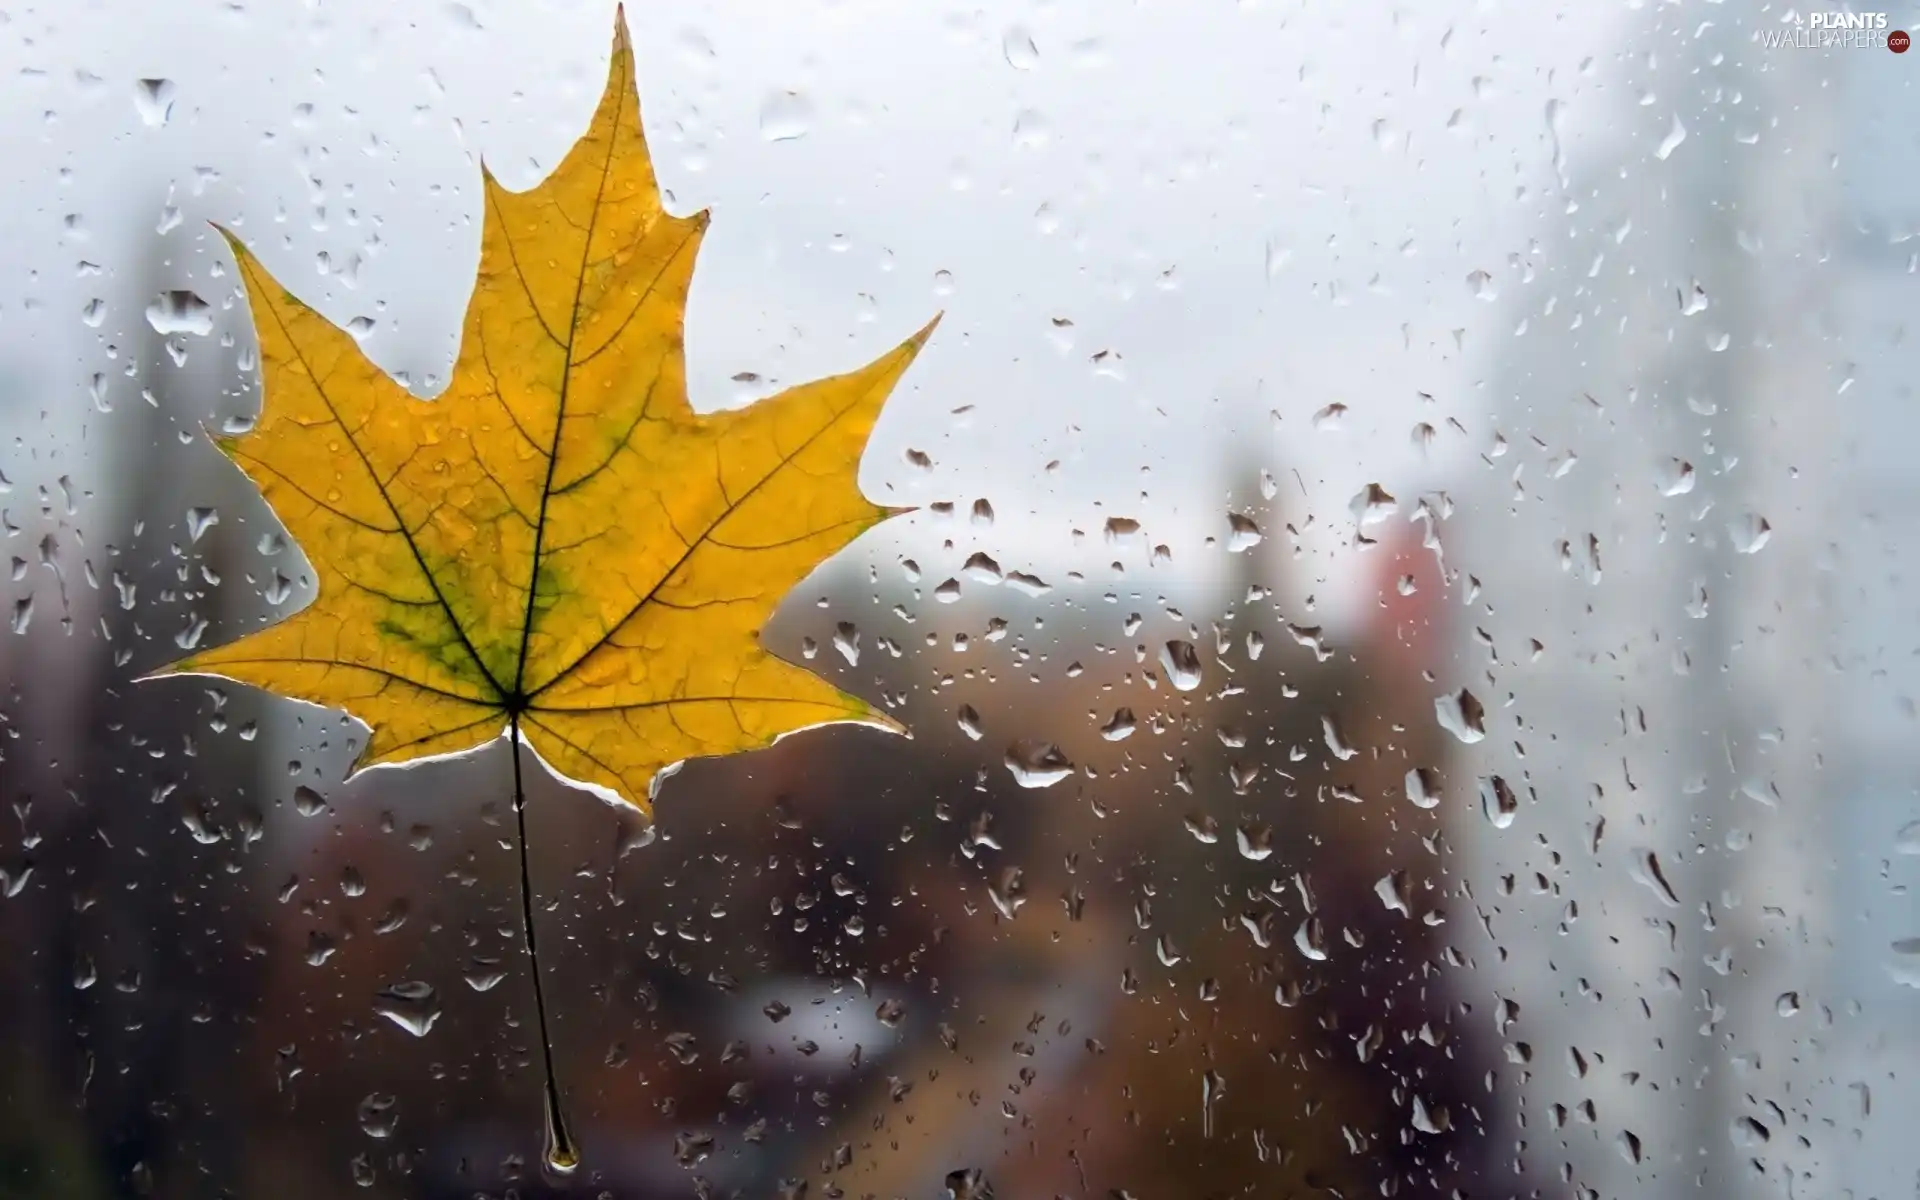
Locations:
(562, 1155)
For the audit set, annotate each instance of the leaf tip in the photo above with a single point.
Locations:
(926, 331)
(622, 42)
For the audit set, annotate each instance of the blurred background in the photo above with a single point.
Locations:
(1405, 625)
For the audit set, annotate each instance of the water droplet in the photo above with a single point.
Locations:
(1423, 787)
(378, 1115)
(969, 722)
(180, 311)
(1203, 827)
(308, 802)
(846, 639)
(684, 1047)
(1676, 477)
(785, 116)
(1255, 841)
(982, 568)
(1907, 840)
(1461, 715)
(1749, 1134)
(1028, 585)
(411, 1005)
(153, 100)
(1213, 1086)
(1392, 890)
(1182, 664)
(1120, 726)
(1332, 417)
(483, 973)
(199, 520)
(1017, 45)
(1242, 533)
(1372, 505)
(1750, 532)
(1008, 892)
(1335, 742)
(1648, 871)
(1676, 134)
(1037, 764)
(1311, 939)
(1498, 802)
(968, 1184)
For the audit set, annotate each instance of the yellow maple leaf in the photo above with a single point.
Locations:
(558, 545)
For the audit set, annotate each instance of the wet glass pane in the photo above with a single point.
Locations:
(1395, 625)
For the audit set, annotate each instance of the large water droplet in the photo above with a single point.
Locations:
(1017, 45)
(411, 1005)
(785, 116)
(153, 100)
(1182, 664)
(1676, 134)
(1423, 787)
(1461, 715)
(180, 311)
(1037, 764)
(1498, 802)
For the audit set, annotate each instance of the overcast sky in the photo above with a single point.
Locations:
(1251, 208)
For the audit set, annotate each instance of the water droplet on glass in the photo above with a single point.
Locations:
(1037, 764)
(1311, 939)
(1392, 890)
(1120, 726)
(1498, 802)
(1371, 505)
(378, 1115)
(1461, 715)
(982, 568)
(1907, 840)
(1648, 871)
(1750, 532)
(1017, 45)
(1629, 1142)
(1423, 787)
(785, 116)
(199, 520)
(1255, 841)
(1242, 533)
(1008, 892)
(180, 311)
(483, 973)
(1676, 134)
(1182, 664)
(153, 100)
(1676, 477)
(969, 722)
(411, 1005)
(968, 1184)
(846, 639)
(1334, 739)
(1330, 418)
